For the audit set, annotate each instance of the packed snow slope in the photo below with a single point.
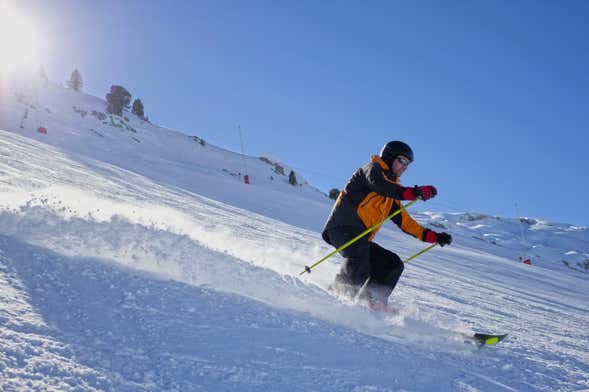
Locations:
(134, 258)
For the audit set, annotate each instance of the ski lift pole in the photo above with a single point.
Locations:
(350, 242)
(246, 176)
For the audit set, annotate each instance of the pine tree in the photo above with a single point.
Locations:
(334, 193)
(75, 82)
(138, 109)
(118, 99)
(292, 179)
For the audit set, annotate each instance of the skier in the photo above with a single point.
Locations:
(373, 193)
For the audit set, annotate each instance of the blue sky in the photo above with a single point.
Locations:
(493, 96)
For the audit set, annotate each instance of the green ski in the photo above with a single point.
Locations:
(483, 339)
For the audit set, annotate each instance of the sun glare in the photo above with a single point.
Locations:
(18, 43)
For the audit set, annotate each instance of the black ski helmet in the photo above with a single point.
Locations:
(393, 149)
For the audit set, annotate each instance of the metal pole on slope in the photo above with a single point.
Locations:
(246, 178)
(520, 221)
(526, 256)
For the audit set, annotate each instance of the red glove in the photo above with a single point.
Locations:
(425, 192)
(440, 238)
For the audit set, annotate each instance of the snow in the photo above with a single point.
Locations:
(133, 258)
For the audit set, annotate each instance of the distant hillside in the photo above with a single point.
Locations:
(79, 123)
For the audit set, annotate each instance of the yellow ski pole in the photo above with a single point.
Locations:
(419, 253)
(350, 242)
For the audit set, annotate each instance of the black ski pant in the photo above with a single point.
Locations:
(364, 259)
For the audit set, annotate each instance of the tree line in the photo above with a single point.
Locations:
(117, 99)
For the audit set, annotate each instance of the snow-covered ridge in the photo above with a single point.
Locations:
(78, 123)
(547, 244)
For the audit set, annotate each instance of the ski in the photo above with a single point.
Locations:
(483, 339)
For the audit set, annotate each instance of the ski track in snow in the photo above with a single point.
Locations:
(111, 280)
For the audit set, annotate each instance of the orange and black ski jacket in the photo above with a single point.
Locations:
(372, 193)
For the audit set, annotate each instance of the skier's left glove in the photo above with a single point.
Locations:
(444, 239)
(441, 238)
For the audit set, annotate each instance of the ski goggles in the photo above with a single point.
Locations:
(403, 161)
